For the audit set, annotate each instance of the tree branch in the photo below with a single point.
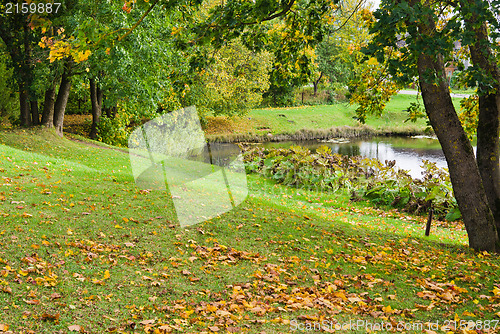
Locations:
(138, 22)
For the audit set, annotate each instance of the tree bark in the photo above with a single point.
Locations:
(316, 83)
(62, 100)
(35, 115)
(48, 106)
(24, 105)
(488, 130)
(27, 78)
(464, 173)
(96, 102)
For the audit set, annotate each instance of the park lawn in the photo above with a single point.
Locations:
(83, 249)
(290, 120)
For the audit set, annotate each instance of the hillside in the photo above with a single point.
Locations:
(83, 249)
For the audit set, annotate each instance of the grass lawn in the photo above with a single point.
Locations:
(315, 118)
(83, 249)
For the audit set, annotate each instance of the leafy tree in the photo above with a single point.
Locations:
(7, 99)
(289, 29)
(339, 53)
(234, 82)
(32, 72)
(425, 40)
(18, 39)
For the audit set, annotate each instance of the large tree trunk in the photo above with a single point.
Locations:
(96, 101)
(48, 106)
(62, 100)
(35, 115)
(464, 173)
(25, 114)
(488, 130)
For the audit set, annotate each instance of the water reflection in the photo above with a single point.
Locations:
(408, 152)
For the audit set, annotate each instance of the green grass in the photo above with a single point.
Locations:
(317, 119)
(80, 244)
(464, 91)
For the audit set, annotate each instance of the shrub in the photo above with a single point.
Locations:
(380, 183)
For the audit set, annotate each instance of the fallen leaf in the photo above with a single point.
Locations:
(32, 302)
(51, 317)
(55, 295)
(107, 274)
(74, 328)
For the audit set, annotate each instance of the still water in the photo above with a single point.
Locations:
(408, 152)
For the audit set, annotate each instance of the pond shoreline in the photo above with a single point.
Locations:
(313, 134)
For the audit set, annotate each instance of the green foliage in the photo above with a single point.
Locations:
(288, 29)
(341, 60)
(8, 102)
(381, 183)
(233, 83)
(115, 131)
(469, 114)
(415, 112)
(336, 59)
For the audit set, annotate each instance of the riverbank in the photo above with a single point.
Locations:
(316, 122)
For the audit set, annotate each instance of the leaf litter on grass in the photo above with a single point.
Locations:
(270, 266)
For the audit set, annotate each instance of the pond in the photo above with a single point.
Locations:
(408, 152)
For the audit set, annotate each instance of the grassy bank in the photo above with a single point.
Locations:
(312, 122)
(83, 249)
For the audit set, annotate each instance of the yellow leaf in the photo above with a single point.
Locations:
(387, 309)
(82, 56)
(107, 274)
(23, 272)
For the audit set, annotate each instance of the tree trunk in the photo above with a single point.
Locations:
(488, 130)
(48, 106)
(96, 101)
(62, 100)
(464, 173)
(27, 78)
(35, 115)
(316, 83)
(488, 151)
(25, 112)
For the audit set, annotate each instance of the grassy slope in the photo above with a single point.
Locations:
(81, 245)
(291, 120)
